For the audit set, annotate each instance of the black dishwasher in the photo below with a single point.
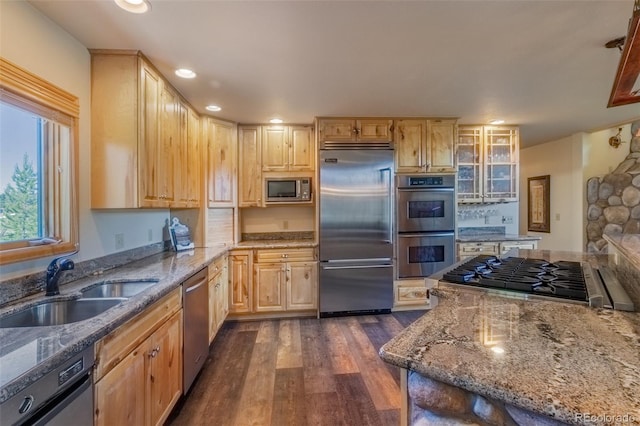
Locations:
(195, 301)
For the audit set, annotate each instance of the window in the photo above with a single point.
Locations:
(38, 145)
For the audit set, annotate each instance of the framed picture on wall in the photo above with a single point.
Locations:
(538, 208)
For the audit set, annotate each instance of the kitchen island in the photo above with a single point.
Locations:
(486, 358)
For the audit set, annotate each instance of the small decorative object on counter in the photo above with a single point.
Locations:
(180, 235)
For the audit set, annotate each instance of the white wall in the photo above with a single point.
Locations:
(570, 162)
(33, 42)
(562, 160)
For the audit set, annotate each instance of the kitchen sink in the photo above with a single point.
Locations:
(123, 288)
(58, 312)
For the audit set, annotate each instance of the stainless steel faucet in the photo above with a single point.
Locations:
(54, 270)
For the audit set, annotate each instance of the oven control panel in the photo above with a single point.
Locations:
(431, 181)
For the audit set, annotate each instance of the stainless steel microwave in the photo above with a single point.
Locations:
(288, 189)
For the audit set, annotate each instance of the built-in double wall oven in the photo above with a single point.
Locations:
(425, 224)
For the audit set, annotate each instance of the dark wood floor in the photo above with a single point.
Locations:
(298, 372)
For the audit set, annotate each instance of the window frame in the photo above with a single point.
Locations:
(32, 93)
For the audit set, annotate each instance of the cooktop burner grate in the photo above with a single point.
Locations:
(534, 276)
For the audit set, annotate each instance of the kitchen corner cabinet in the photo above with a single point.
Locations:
(137, 132)
(240, 279)
(488, 165)
(288, 148)
(221, 145)
(218, 295)
(250, 167)
(423, 145)
(350, 129)
(285, 280)
(138, 372)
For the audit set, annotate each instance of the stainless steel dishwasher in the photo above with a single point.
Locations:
(62, 397)
(195, 300)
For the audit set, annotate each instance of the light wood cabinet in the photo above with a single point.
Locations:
(488, 164)
(350, 129)
(288, 148)
(285, 280)
(493, 248)
(410, 294)
(187, 159)
(138, 369)
(218, 295)
(505, 246)
(221, 146)
(250, 167)
(269, 287)
(423, 145)
(471, 249)
(240, 279)
(138, 158)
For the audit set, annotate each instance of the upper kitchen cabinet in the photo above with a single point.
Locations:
(139, 129)
(425, 145)
(221, 145)
(487, 164)
(288, 148)
(250, 167)
(349, 129)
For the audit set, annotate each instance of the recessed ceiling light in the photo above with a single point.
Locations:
(275, 121)
(496, 122)
(134, 6)
(185, 73)
(214, 108)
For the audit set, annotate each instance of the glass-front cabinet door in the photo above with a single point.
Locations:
(470, 160)
(501, 164)
(487, 164)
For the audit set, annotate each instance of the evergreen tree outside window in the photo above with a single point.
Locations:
(38, 145)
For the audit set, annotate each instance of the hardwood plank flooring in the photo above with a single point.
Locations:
(300, 372)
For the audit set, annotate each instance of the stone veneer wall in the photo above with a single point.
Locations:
(614, 201)
(434, 403)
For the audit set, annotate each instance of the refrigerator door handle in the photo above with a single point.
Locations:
(390, 204)
(357, 267)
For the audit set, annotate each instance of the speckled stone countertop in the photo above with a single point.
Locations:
(495, 238)
(251, 244)
(553, 358)
(26, 354)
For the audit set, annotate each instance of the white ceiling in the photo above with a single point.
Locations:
(539, 64)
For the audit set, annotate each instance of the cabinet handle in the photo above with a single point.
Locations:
(152, 353)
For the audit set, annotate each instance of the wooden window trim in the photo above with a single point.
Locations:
(32, 93)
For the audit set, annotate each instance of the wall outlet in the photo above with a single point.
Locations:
(119, 241)
(150, 235)
(507, 220)
(285, 224)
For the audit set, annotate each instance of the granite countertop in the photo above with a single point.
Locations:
(251, 244)
(553, 358)
(26, 354)
(495, 238)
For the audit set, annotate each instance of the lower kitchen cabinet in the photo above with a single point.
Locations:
(139, 367)
(240, 265)
(410, 294)
(218, 295)
(493, 248)
(283, 280)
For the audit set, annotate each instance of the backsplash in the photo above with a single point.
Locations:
(504, 215)
(17, 288)
(286, 236)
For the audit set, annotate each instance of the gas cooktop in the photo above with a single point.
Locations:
(564, 280)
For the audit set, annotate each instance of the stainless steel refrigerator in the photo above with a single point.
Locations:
(356, 237)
